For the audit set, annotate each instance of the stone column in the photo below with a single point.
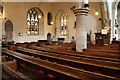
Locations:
(81, 28)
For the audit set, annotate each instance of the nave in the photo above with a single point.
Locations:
(49, 63)
(60, 40)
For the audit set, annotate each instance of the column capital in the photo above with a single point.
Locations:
(81, 11)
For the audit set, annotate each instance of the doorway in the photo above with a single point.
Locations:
(49, 39)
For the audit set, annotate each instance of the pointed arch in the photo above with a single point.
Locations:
(34, 21)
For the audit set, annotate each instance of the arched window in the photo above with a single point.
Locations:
(32, 22)
(49, 17)
(63, 24)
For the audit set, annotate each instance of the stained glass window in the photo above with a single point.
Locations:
(32, 22)
(64, 27)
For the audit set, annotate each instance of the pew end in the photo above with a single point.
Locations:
(11, 64)
(10, 74)
(4, 58)
(12, 47)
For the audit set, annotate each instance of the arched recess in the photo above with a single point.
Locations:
(9, 30)
(49, 18)
(58, 24)
(39, 18)
(49, 37)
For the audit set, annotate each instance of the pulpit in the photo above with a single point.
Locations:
(102, 38)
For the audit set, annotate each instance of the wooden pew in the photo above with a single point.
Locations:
(67, 71)
(112, 50)
(89, 64)
(34, 43)
(65, 57)
(73, 45)
(42, 42)
(12, 47)
(66, 46)
(11, 64)
(3, 58)
(73, 53)
(9, 73)
(73, 59)
(89, 45)
(87, 53)
(113, 47)
(25, 44)
(109, 52)
(58, 47)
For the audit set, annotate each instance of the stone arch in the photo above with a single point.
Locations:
(9, 30)
(57, 23)
(41, 20)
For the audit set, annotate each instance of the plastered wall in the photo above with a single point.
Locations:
(17, 13)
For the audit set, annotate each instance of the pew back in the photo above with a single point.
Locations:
(11, 64)
(10, 73)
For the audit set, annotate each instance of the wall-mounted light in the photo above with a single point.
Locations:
(20, 34)
(96, 13)
(39, 16)
(51, 22)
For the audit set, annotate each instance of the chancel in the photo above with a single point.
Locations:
(72, 40)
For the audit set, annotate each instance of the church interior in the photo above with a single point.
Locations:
(60, 40)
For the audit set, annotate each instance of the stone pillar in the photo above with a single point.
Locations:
(81, 28)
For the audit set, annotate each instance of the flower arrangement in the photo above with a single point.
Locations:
(4, 40)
